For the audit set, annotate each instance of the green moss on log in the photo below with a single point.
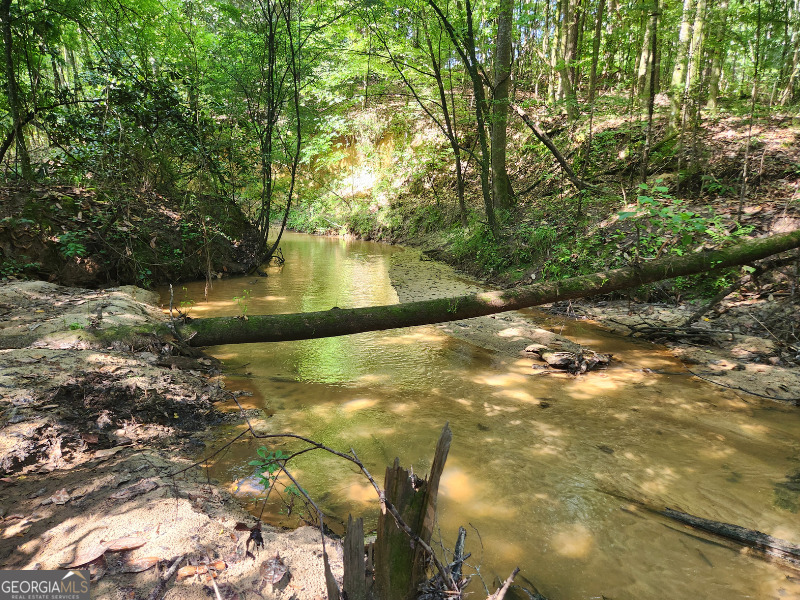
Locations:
(329, 323)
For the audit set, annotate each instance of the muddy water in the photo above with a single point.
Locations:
(533, 457)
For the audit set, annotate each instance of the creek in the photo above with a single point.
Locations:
(533, 457)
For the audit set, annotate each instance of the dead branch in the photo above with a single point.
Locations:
(747, 537)
(765, 544)
(167, 576)
(500, 594)
(353, 458)
(746, 391)
(545, 139)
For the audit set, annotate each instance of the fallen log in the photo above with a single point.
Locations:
(545, 139)
(764, 543)
(335, 322)
(748, 537)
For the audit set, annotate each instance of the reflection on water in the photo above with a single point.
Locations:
(531, 455)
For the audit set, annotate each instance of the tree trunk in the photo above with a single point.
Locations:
(652, 71)
(14, 103)
(549, 46)
(335, 322)
(678, 85)
(645, 62)
(566, 89)
(696, 57)
(400, 567)
(501, 186)
(449, 118)
(294, 71)
(792, 66)
(753, 96)
(717, 57)
(598, 32)
(464, 43)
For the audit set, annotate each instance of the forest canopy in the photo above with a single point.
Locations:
(247, 101)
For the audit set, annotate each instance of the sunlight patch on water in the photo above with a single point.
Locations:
(456, 484)
(717, 452)
(521, 367)
(511, 552)
(358, 404)
(360, 492)
(591, 388)
(500, 380)
(755, 429)
(573, 541)
(373, 378)
(427, 335)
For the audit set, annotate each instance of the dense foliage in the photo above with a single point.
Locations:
(275, 103)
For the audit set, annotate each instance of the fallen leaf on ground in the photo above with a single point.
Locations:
(14, 517)
(60, 497)
(125, 543)
(87, 555)
(273, 569)
(190, 570)
(144, 486)
(140, 564)
(105, 453)
(219, 565)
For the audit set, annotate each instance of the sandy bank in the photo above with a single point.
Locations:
(98, 411)
(748, 364)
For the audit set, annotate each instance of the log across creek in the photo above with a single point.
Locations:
(311, 325)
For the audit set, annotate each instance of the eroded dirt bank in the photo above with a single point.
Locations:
(98, 413)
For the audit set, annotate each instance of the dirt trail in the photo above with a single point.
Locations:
(96, 413)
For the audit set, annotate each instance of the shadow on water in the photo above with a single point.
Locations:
(531, 455)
